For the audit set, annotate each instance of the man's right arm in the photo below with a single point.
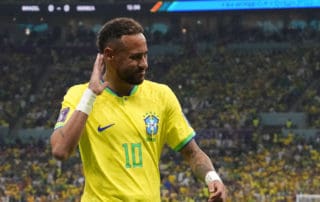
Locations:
(64, 140)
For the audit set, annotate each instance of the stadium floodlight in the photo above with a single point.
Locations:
(27, 31)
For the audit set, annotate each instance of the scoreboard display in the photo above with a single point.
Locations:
(156, 7)
(65, 9)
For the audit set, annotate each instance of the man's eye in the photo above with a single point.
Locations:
(136, 57)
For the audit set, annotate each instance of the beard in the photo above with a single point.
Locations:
(132, 78)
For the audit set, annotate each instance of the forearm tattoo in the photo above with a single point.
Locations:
(202, 164)
(199, 162)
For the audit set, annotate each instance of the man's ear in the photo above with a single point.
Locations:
(108, 53)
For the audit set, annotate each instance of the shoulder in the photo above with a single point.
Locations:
(76, 91)
(78, 87)
(158, 92)
(155, 86)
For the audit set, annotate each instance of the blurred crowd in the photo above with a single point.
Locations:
(222, 92)
(255, 167)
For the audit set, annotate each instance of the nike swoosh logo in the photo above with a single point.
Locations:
(100, 129)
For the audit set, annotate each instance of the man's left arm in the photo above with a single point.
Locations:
(203, 169)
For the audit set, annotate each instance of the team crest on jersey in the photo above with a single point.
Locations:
(151, 121)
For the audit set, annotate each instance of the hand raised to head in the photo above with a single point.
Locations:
(95, 84)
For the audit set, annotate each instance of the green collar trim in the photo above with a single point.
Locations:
(133, 91)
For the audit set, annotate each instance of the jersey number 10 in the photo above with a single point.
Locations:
(133, 155)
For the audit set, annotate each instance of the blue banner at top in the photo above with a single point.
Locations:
(216, 5)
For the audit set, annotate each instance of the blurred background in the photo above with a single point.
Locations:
(246, 72)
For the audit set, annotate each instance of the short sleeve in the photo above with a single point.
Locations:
(179, 131)
(69, 103)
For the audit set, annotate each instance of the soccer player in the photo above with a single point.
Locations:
(121, 122)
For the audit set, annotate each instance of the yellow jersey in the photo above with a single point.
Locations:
(123, 138)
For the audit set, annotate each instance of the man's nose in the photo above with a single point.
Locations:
(143, 62)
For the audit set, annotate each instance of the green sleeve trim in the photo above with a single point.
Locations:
(58, 125)
(183, 143)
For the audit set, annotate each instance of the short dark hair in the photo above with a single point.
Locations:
(115, 29)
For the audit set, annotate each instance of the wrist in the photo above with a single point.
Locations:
(86, 103)
(212, 176)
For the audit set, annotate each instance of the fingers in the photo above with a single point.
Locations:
(217, 192)
(95, 83)
(98, 64)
